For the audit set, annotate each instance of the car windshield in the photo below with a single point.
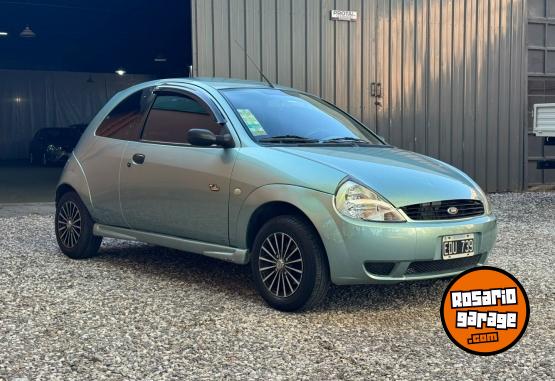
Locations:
(274, 116)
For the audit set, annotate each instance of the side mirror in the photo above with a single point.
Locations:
(206, 138)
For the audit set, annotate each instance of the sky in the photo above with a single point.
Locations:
(97, 36)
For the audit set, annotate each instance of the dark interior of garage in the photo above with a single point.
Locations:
(60, 61)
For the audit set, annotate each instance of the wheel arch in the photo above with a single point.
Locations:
(63, 189)
(269, 210)
(73, 179)
(267, 202)
(272, 209)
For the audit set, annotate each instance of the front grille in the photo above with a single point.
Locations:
(438, 210)
(443, 265)
(379, 268)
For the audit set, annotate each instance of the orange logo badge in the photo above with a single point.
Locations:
(485, 310)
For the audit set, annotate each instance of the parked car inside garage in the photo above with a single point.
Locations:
(55, 144)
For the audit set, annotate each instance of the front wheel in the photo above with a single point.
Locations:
(74, 228)
(289, 264)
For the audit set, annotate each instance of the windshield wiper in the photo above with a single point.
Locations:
(345, 139)
(287, 139)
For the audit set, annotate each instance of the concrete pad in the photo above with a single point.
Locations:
(22, 183)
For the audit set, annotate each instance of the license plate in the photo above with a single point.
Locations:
(457, 246)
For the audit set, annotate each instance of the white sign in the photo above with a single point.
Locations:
(338, 15)
(544, 119)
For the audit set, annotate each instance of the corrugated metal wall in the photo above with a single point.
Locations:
(452, 72)
(32, 99)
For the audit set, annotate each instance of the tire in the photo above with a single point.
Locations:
(293, 275)
(74, 228)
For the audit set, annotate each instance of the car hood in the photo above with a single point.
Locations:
(402, 177)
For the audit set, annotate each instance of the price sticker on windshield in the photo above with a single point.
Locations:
(252, 123)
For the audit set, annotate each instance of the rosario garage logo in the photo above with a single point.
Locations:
(485, 311)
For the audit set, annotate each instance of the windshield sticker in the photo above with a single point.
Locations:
(252, 123)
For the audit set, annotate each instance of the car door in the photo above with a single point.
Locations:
(102, 157)
(167, 185)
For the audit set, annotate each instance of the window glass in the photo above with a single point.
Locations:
(536, 34)
(536, 8)
(551, 8)
(550, 36)
(536, 61)
(173, 115)
(536, 86)
(178, 103)
(124, 121)
(274, 113)
(549, 87)
(550, 62)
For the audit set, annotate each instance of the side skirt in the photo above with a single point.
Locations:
(225, 253)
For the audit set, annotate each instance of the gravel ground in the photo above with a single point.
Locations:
(143, 312)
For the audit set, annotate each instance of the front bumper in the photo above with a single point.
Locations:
(361, 252)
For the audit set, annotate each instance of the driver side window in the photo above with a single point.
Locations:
(172, 115)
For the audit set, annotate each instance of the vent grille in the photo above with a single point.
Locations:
(443, 265)
(439, 210)
(379, 268)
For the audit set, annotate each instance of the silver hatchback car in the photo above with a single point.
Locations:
(251, 173)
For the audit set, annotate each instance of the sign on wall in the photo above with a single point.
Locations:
(338, 15)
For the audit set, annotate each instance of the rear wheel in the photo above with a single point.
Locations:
(74, 228)
(289, 264)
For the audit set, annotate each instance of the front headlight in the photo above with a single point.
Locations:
(485, 200)
(53, 149)
(356, 201)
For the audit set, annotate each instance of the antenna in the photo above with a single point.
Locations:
(255, 65)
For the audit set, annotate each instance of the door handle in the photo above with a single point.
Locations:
(373, 89)
(138, 158)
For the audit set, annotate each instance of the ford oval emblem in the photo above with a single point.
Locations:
(453, 210)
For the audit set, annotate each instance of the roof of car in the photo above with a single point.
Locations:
(221, 83)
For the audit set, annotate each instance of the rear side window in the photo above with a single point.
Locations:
(125, 120)
(173, 115)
